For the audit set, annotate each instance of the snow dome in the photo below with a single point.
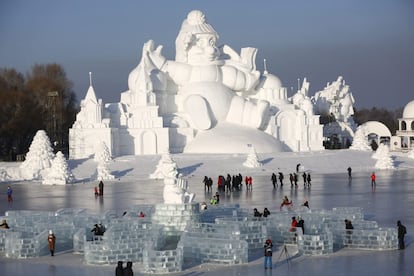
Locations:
(409, 110)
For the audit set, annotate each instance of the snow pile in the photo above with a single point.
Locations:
(252, 160)
(3, 175)
(103, 157)
(360, 141)
(411, 154)
(166, 168)
(59, 173)
(38, 158)
(384, 159)
(381, 150)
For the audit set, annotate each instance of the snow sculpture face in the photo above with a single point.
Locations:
(203, 49)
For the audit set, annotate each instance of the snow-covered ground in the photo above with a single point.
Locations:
(393, 199)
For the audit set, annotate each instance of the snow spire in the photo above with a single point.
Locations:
(90, 94)
(265, 66)
(90, 78)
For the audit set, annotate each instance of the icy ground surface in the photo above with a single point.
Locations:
(392, 199)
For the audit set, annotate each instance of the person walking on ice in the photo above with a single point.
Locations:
(268, 252)
(101, 188)
(373, 179)
(9, 194)
(401, 233)
(51, 240)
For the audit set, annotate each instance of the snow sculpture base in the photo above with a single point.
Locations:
(231, 138)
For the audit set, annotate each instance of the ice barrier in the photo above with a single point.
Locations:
(171, 235)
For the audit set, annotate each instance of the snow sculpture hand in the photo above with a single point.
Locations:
(153, 54)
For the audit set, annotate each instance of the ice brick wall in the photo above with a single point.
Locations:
(175, 217)
(315, 244)
(166, 261)
(123, 241)
(366, 238)
(25, 245)
(199, 249)
(250, 229)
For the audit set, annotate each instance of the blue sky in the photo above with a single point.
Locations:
(370, 42)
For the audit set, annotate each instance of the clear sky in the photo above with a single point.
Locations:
(369, 42)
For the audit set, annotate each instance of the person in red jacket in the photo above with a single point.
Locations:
(373, 179)
(293, 224)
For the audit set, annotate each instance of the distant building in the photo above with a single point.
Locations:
(404, 138)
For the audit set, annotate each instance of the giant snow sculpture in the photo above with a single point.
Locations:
(336, 100)
(210, 99)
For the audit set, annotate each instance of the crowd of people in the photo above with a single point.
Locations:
(228, 183)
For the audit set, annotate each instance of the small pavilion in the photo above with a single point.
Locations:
(404, 139)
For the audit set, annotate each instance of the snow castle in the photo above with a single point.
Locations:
(210, 99)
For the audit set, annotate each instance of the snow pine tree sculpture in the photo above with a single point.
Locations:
(252, 160)
(384, 159)
(38, 158)
(103, 157)
(59, 173)
(360, 141)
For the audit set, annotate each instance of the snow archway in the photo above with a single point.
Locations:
(379, 129)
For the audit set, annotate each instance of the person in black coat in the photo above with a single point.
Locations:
(119, 270)
(256, 213)
(401, 233)
(301, 224)
(128, 269)
(281, 176)
(101, 188)
(274, 180)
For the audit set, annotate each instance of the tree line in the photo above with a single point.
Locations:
(385, 116)
(41, 99)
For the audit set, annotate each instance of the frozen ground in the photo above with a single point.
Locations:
(392, 199)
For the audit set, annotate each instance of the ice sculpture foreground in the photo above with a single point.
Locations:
(210, 99)
(172, 236)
